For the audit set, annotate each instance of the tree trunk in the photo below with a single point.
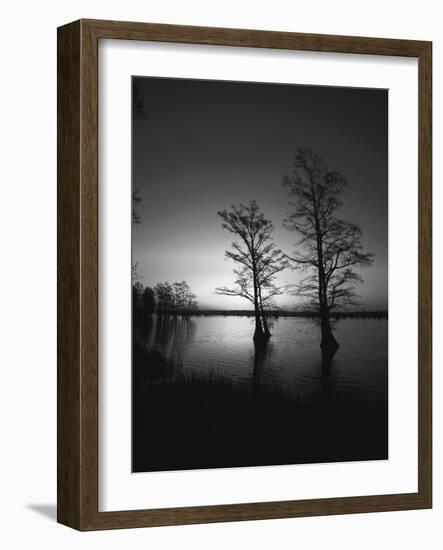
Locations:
(266, 332)
(329, 344)
(258, 333)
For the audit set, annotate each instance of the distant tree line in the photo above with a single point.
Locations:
(165, 299)
(277, 313)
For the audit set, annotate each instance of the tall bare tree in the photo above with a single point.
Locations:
(258, 258)
(329, 249)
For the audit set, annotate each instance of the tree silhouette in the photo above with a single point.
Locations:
(136, 200)
(329, 248)
(175, 299)
(135, 275)
(258, 258)
(149, 301)
(184, 299)
(138, 103)
(164, 293)
(136, 219)
(137, 301)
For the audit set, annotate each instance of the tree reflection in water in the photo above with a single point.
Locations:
(262, 354)
(170, 335)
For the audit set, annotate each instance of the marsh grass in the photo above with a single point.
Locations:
(184, 420)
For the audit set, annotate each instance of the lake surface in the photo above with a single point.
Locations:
(205, 397)
(291, 360)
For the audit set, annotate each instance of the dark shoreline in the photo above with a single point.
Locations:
(187, 421)
(279, 313)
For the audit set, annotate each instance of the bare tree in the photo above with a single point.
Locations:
(175, 299)
(258, 258)
(138, 103)
(137, 287)
(136, 219)
(164, 294)
(135, 275)
(184, 299)
(136, 200)
(149, 302)
(271, 262)
(137, 301)
(329, 249)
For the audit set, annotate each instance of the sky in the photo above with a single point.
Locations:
(201, 146)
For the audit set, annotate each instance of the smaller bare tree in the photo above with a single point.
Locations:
(258, 258)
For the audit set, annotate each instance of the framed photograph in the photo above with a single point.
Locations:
(244, 275)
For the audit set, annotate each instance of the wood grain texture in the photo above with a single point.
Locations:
(89, 276)
(68, 276)
(425, 274)
(254, 38)
(78, 269)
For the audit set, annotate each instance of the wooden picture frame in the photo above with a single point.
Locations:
(78, 274)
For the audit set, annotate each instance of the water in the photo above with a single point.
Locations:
(291, 361)
(222, 402)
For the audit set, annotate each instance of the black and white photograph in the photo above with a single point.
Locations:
(259, 274)
(218, 301)
(218, 285)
